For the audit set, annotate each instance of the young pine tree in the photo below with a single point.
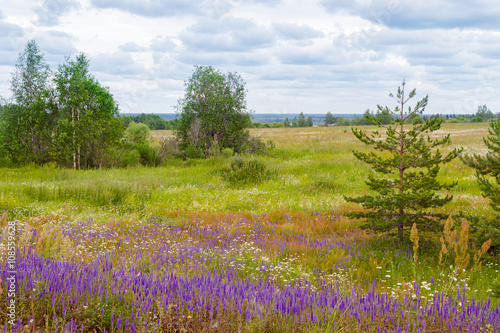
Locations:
(406, 188)
(489, 165)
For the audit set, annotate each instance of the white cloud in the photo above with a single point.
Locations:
(296, 31)
(131, 47)
(294, 55)
(152, 8)
(49, 12)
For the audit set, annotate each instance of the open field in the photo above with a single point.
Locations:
(316, 169)
(178, 249)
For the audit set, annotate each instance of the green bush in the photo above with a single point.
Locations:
(193, 152)
(215, 149)
(170, 148)
(138, 134)
(122, 157)
(255, 146)
(227, 152)
(496, 290)
(128, 158)
(244, 172)
(148, 155)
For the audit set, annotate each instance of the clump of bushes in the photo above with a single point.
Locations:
(244, 172)
(137, 148)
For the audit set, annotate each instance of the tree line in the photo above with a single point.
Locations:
(153, 121)
(483, 114)
(65, 116)
(68, 118)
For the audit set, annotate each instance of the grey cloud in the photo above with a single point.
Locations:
(301, 58)
(238, 59)
(296, 31)
(422, 14)
(170, 8)
(56, 42)
(50, 11)
(226, 34)
(162, 44)
(118, 63)
(9, 31)
(153, 8)
(12, 40)
(130, 47)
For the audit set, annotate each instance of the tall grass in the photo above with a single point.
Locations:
(316, 169)
(184, 247)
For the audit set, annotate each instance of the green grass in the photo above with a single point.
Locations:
(316, 168)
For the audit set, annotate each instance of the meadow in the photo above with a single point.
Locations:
(178, 248)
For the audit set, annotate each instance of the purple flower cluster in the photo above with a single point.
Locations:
(134, 289)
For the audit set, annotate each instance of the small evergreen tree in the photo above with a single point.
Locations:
(310, 121)
(286, 123)
(489, 165)
(407, 186)
(302, 120)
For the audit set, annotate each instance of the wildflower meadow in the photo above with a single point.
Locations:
(186, 248)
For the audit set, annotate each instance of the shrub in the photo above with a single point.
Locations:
(128, 158)
(137, 134)
(193, 152)
(241, 172)
(148, 155)
(215, 149)
(255, 146)
(170, 148)
(227, 152)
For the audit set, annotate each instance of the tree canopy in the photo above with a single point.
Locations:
(28, 120)
(87, 126)
(67, 117)
(330, 119)
(213, 111)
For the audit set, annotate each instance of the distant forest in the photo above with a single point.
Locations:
(160, 121)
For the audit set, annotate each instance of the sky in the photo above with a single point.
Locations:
(339, 56)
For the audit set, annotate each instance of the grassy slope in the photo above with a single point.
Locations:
(316, 168)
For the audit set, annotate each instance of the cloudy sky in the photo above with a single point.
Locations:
(340, 56)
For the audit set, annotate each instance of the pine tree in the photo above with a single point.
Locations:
(406, 186)
(310, 122)
(302, 122)
(489, 166)
(286, 123)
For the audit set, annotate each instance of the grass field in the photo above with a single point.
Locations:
(179, 249)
